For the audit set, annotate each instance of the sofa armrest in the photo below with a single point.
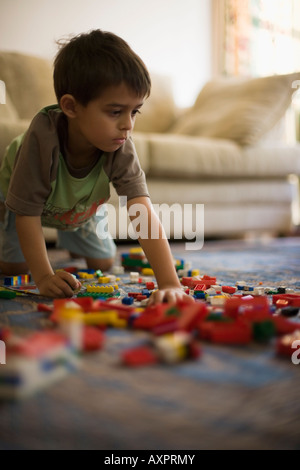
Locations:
(8, 131)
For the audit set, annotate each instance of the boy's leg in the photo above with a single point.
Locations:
(12, 261)
(92, 242)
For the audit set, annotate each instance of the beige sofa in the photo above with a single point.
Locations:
(229, 152)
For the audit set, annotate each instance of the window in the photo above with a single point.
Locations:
(257, 37)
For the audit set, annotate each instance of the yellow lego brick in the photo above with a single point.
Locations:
(84, 275)
(119, 323)
(103, 279)
(100, 289)
(147, 272)
(136, 251)
(71, 314)
(102, 318)
(195, 272)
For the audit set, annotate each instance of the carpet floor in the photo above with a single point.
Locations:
(230, 398)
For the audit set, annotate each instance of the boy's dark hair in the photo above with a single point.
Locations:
(93, 61)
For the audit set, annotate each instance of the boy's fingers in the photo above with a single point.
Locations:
(68, 278)
(169, 295)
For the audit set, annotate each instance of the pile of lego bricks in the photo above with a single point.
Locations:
(221, 314)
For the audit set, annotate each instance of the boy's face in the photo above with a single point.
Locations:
(106, 122)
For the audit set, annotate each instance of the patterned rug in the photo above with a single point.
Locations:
(230, 398)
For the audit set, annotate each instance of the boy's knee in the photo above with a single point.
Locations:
(103, 264)
(13, 269)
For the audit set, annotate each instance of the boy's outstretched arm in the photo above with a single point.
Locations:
(34, 249)
(157, 250)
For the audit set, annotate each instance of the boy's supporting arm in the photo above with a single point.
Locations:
(157, 250)
(34, 249)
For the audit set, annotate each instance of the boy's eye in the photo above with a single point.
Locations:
(117, 112)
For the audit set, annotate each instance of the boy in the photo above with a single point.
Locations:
(58, 173)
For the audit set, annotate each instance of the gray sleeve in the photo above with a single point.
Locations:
(30, 183)
(124, 171)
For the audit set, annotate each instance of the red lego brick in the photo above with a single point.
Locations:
(141, 297)
(5, 333)
(150, 285)
(254, 308)
(285, 343)
(139, 356)
(108, 304)
(235, 332)
(45, 308)
(191, 315)
(150, 317)
(195, 350)
(292, 299)
(200, 287)
(37, 343)
(284, 326)
(165, 325)
(189, 282)
(209, 277)
(229, 289)
(93, 338)
(133, 294)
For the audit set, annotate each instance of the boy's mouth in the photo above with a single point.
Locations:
(120, 141)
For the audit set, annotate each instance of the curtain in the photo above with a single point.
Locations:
(256, 37)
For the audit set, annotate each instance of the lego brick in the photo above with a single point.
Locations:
(139, 356)
(226, 332)
(93, 338)
(292, 299)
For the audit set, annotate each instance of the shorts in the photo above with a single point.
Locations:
(92, 240)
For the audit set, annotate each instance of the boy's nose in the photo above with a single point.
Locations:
(127, 123)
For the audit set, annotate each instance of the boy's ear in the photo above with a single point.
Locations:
(68, 105)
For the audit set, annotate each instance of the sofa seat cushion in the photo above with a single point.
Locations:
(142, 147)
(215, 192)
(200, 157)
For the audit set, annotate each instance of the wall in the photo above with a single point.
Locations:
(173, 37)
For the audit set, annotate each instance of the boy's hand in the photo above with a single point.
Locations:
(58, 285)
(170, 295)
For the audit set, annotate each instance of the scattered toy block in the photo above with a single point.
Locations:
(234, 332)
(139, 356)
(284, 345)
(93, 338)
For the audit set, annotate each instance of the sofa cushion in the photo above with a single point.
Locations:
(142, 148)
(7, 110)
(159, 110)
(239, 109)
(201, 157)
(8, 131)
(28, 81)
